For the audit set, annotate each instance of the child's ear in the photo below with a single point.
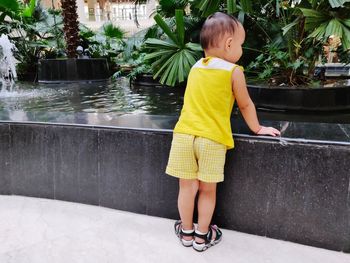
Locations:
(228, 42)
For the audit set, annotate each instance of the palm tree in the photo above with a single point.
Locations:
(71, 26)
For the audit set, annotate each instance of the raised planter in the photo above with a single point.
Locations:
(72, 70)
(146, 80)
(296, 190)
(321, 99)
(301, 99)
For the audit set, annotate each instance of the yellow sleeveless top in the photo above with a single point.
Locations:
(208, 101)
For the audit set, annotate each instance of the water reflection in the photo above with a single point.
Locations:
(78, 101)
(115, 97)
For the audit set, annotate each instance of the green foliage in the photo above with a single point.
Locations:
(139, 67)
(29, 9)
(231, 6)
(292, 34)
(172, 57)
(34, 32)
(17, 10)
(10, 8)
(322, 24)
(208, 7)
(38, 33)
(299, 31)
(133, 56)
(9, 5)
(112, 32)
(107, 42)
(276, 66)
(166, 7)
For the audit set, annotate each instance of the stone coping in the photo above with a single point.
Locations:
(303, 132)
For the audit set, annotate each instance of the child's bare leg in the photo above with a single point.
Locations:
(187, 195)
(206, 206)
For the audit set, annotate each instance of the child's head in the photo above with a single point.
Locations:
(222, 36)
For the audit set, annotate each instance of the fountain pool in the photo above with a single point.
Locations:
(79, 143)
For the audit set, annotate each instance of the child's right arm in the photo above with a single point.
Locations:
(246, 105)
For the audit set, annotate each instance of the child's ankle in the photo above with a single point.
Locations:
(198, 239)
(187, 227)
(188, 231)
(202, 230)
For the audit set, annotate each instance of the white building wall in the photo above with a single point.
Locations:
(121, 14)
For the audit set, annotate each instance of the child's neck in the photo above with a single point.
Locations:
(213, 53)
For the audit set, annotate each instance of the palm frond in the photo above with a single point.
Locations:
(171, 59)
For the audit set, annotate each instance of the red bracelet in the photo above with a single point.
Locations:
(259, 130)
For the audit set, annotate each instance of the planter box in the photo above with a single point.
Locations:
(285, 98)
(147, 80)
(72, 70)
(301, 99)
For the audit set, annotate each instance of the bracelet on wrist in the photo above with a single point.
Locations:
(259, 130)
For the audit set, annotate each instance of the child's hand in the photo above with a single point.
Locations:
(268, 131)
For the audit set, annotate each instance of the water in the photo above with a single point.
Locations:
(104, 97)
(7, 64)
(18, 101)
(118, 104)
(117, 98)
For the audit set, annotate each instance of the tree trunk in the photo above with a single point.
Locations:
(71, 26)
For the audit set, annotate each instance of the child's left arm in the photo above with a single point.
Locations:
(246, 105)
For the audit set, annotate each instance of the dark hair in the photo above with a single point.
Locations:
(215, 26)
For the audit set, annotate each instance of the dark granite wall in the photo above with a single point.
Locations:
(294, 191)
(5, 179)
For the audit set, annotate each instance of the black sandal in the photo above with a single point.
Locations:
(209, 241)
(180, 233)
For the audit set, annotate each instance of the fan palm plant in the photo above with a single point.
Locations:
(71, 26)
(296, 32)
(172, 57)
(322, 19)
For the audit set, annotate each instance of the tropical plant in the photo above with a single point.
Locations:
(42, 37)
(166, 8)
(291, 33)
(71, 26)
(8, 8)
(32, 29)
(195, 18)
(322, 19)
(17, 13)
(132, 57)
(208, 7)
(172, 58)
(296, 33)
(107, 42)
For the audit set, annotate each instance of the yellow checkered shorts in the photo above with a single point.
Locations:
(193, 157)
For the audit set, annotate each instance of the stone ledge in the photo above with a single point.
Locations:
(296, 191)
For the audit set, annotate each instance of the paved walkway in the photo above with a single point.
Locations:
(34, 230)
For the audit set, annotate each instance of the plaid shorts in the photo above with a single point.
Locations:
(193, 157)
